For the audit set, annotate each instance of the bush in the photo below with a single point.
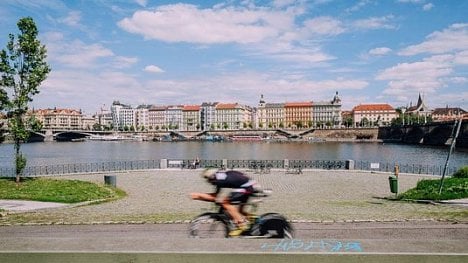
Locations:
(461, 173)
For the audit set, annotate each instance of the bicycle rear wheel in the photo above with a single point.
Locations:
(275, 225)
(209, 225)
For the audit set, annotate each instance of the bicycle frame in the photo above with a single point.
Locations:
(269, 225)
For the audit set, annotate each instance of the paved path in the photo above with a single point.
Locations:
(339, 216)
(402, 237)
(317, 196)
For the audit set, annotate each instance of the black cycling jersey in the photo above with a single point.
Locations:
(231, 179)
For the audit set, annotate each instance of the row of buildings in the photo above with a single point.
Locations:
(228, 116)
(235, 116)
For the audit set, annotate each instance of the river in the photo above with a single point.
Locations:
(50, 153)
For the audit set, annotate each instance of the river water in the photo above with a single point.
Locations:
(50, 153)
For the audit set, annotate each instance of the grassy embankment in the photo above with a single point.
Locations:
(454, 187)
(61, 191)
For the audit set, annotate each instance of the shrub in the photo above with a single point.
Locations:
(461, 173)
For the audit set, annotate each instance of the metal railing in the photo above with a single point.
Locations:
(255, 166)
(58, 169)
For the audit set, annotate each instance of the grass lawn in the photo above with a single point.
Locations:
(453, 188)
(53, 190)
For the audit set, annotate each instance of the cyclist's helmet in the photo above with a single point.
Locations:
(208, 173)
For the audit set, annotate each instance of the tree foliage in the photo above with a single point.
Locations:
(23, 68)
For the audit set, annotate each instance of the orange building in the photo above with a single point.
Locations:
(298, 114)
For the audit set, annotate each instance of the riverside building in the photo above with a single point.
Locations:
(123, 116)
(60, 119)
(367, 115)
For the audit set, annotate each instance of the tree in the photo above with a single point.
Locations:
(23, 68)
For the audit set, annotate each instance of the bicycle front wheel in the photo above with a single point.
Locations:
(209, 225)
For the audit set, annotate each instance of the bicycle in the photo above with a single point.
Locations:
(219, 224)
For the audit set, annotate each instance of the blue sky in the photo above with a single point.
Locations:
(189, 52)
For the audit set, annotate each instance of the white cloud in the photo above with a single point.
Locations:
(428, 6)
(324, 25)
(153, 69)
(80, 55)
(187, 23)
(259, 30)
(142, 2)
(124, 62)
(408, 79)
(77, 54)
(358, 6)
(461, 58)
(458, 80)
(283, 3)
(412, 1)
(375, 23)
(243, 86)
(454, 38)
(81, 89)
(380, 51)
(73, 19)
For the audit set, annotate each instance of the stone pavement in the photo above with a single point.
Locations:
(315, 196)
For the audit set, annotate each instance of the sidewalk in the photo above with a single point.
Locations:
(22, 205)
(315, 195)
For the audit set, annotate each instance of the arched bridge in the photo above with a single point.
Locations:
(63, 135)
(428, 134)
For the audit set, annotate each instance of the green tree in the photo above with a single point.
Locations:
(97, 127)
(23, 68)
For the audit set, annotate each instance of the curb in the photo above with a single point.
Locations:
(297, 221)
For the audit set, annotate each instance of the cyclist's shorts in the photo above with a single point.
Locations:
(240, 195)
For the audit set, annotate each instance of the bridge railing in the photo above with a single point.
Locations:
(255, 166)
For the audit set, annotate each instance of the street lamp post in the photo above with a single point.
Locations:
(403, 110)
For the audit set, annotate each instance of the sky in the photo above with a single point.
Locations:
(190, 52)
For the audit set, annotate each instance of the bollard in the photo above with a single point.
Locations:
(349, 165)
(110, 180)
(163, 164)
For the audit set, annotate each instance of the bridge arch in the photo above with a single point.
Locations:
(414, 135)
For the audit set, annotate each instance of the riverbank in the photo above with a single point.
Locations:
(158, 196)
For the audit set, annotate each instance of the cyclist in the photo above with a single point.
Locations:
(242, 188)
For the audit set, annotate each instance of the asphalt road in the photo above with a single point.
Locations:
(402, 237)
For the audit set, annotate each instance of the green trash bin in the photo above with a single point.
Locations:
(393, 180)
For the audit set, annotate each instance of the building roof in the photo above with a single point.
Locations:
(274, 105)
(226, 106)
(373, 107)
(56, 111)
(420, 106)
(448, 111)
(191, 107)
(298, 104)
(158, 108)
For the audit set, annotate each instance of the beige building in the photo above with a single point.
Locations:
(327, 113)
(233, 116)
(366, 115)
(60, 119)
(448, 114)
(191, 118)
(269, 115)
(156, 118)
